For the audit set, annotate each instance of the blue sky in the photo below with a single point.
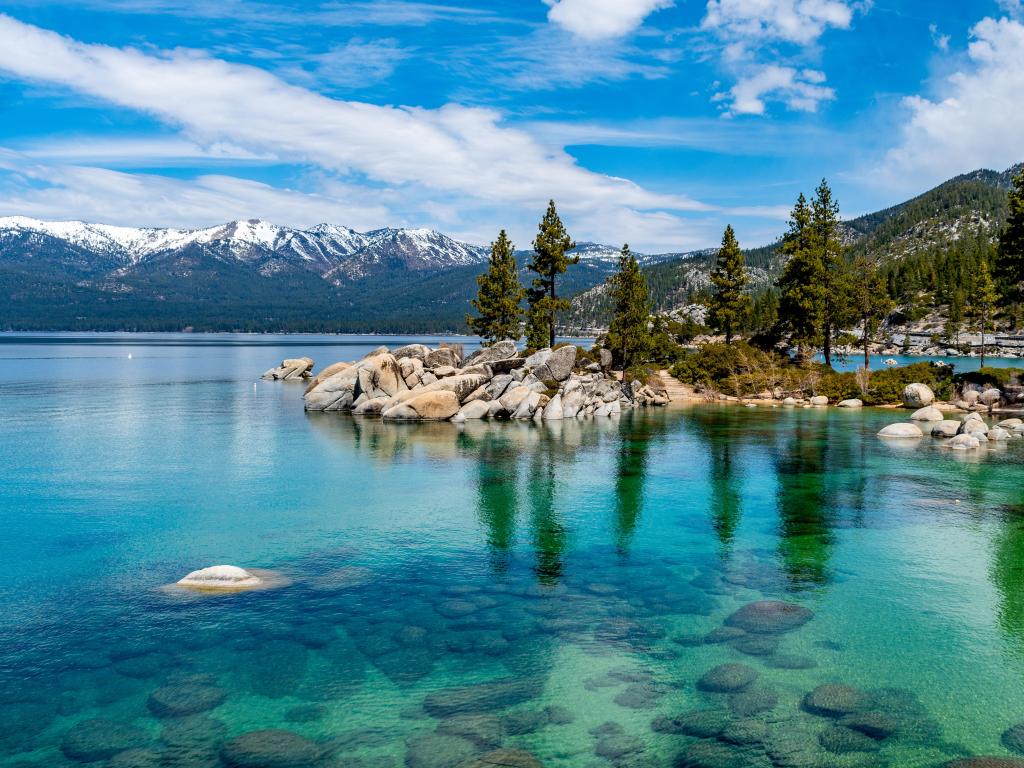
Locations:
(650, 121)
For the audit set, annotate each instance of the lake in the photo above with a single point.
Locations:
(705, 586)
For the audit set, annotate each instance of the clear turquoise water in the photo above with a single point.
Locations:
(580, 565)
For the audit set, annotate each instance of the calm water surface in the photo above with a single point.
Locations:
(559, 589)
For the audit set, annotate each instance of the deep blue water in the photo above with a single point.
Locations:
(574, 574)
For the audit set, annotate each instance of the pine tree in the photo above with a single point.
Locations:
(1009, 266)
(868, 299)
(629, 338)
(829, 251)
(730, 303)
(548, 262)
(499, 295)
(983, 302)
(802, 284)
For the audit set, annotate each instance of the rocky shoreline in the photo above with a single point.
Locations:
(417, 383)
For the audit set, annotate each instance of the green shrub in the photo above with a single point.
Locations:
(838, 386)
(886, 386)
(995, 377)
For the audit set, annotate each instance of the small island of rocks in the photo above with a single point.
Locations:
(417, 383)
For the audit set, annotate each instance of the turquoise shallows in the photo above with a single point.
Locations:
(580, 576)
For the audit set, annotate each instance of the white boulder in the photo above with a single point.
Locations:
(964, 443)
(929, 413)
(220, 577)
(902, 429)
(917, 395)
(851, 403)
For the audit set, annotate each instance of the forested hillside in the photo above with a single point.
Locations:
(927, 247)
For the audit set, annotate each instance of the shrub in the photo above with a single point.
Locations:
(839, 386)
(995, 377)
(886, 386)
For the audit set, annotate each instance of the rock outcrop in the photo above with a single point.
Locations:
(918, 396)
(418, 383)
(291, 370)
(221, 577)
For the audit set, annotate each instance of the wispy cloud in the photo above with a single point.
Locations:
(62, 191)
(357, 64)
(468, 155)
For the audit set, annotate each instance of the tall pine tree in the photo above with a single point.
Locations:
(499, 295)
(730, 303)
(1009, 267)
(835, 308)
(802, 284)
(548, 262)
(983, 302)
(629, 338)
(868, 300)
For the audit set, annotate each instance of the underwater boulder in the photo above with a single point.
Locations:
(271, 748)
(834, 700)
(769, 617)
(727, 678)
(101, 739)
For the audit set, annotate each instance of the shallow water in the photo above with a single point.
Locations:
(571, 573)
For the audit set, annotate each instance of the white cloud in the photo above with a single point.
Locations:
(602, 19)
(1014, 8)
(466, 155)
(756, 22)
(56, 191)
(940, 40)
(747, 28)
(800, 90)
(141, 151)
(356, 64)
(975, 119)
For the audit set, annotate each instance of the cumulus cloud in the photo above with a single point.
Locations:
(602, 19)
(800, 90)
(974, 119)
(794, 21)
(468, 155)
(787, 28)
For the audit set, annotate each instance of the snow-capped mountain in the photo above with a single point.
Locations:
(326, 248)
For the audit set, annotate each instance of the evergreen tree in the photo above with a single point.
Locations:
(499, 295)
(825, 242)
(548, 262)
(868, 300)
(954, 317)
(730, 303)
(983, 302)
(802, 284)
(1009, 267)
(629, 338)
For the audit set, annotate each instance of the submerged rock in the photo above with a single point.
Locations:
(1013, 738)
(271, 748)
(754, 701)
(485, 697)
(985, 762)
(101, 739)
(701, 723)
(727, 678)
(769, 617)
(840, 741)
(834, 700)
(185, 699)
(504, 758)
(438, 750)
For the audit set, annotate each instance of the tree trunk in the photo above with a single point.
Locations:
(984, 322)
(552, 328)
(827, 344)
(867, 361)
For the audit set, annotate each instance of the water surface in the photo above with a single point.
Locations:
(573, 573)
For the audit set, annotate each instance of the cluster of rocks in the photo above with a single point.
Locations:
(415, 382)
(290, 370)
(965, 433)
